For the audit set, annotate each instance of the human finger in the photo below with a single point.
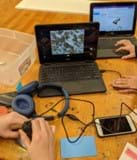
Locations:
(121, 49)
(129, 56)
(24, 139)
(120, 84)
(35, 127)
(11, 134)
(128, 90)
(128, 77)
(16, 120)
(121, 42)
(53, 128)
(45, 127)
(121, 81)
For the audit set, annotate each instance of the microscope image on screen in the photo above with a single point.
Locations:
(67, 41)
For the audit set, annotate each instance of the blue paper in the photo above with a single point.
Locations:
(84, 147)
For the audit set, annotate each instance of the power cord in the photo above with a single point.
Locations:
(121, 109)
(52, 108)
(86, 125)
(74, 118)
(82, 132)
(116, 126)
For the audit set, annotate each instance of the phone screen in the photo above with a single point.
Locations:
(115, 125)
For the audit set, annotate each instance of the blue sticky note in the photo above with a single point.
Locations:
(84, 147)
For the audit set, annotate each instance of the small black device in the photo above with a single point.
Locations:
(115, 125)
(27, 128)
(67, 54)
(117, 21)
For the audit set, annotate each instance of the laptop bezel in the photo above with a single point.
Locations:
(58, 58)
(114, 33)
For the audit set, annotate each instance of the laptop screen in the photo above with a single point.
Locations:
(114, 17)
(67, 42)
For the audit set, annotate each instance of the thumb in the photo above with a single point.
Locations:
(127, 56)
(24, 138)
(128, 91)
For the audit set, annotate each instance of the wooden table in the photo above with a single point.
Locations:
(105, 103)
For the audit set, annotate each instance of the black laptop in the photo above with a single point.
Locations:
(117, 21)
(67, 54)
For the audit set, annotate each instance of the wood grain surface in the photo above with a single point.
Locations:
(106, 104)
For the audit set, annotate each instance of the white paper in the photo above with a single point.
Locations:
(72, 6)
(129, 152)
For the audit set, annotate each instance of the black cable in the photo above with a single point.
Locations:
(52, 108)
(104, 127)
(82, 132)
(92, 122)
(117, 126)
(87, 101)
(124, 104)
(121, 108)
(73, 117)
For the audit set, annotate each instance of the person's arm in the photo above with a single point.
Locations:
(41, 147)
(10, 123)
(127, 46)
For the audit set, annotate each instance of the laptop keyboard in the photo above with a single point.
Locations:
(105, 43)
(69, 72)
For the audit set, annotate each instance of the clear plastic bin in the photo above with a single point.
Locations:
(17, 54)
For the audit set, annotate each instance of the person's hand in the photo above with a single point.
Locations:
(127, 46)
(126, 84)
(10, 123)
(41, 147)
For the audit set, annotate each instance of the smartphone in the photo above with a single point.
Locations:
(114, 125)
